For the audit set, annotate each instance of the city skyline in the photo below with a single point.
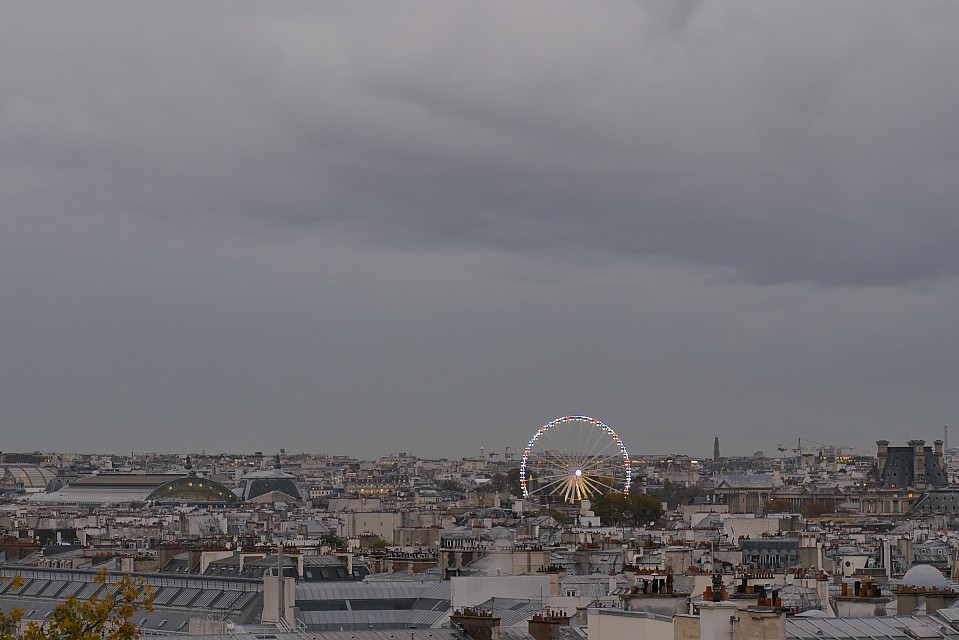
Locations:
(492, 453)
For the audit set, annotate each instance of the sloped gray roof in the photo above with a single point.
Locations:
(371, 590)
(346, 620)
(884, 628)
(176, 597)
(512, 612)
(383, 605)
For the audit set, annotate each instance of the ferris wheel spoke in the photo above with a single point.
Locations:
(595, 482)
(600, 461)
(538, 461)
(551, 477)
(601, 440)
(577, 458)
(603, 448)
(611, 460)
(591, 488)
(580, 433)
(605, 471)
(541, 488)
(585, 443)
(589, 479)
(566, 437)
(564, 460)
(549, 472)
(548, 456)
(566, 453)
(599, 480)
(553, 470)
(545, 491)
(608, 480)
(541, 454)
(588, 489)
(546, 461)
(607, 475)
(572, 461)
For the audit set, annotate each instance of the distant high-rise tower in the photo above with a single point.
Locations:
(716, 449)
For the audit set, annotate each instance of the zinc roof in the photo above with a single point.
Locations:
(371, 590)
(884, 627)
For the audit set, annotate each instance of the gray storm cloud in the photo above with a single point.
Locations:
(688, 218)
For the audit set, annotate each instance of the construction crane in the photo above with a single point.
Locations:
(836, 450)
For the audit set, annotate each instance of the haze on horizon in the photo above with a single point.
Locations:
(362, 228)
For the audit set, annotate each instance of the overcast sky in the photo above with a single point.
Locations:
(360, 227)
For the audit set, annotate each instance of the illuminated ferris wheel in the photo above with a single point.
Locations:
(574, 457)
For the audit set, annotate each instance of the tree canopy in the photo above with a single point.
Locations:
(779, 505)
(632, 510)
(98, 618)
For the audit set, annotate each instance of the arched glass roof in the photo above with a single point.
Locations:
(31, 476)
(192, 489)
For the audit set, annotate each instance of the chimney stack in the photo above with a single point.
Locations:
(883, 454)
(545, 627)
(918, 462)
(478, 625)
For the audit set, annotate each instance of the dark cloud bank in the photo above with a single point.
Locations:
(426, 226)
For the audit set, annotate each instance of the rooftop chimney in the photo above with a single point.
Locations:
(544, 627)
(478, 625)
